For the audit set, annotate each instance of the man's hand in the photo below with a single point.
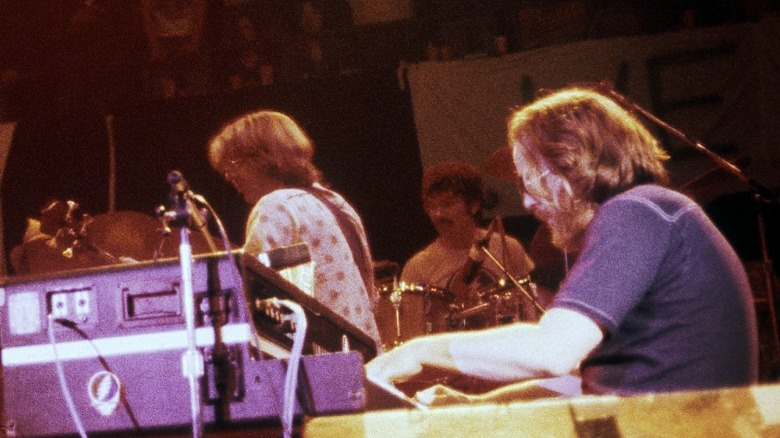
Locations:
(398, 364)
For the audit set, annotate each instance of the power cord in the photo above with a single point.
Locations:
(297, 319)
(74, 326)
(61, 377)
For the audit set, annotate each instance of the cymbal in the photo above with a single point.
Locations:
(103, 240)
(127, 234)
(45, 255)
(499, 164)
(140, 237)
(169, 246)
(109, 238)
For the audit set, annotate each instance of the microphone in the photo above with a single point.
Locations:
(183, 202)
(177, 182)
(476, 256)
(286, 256)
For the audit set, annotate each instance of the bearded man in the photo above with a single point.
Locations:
(657, 300)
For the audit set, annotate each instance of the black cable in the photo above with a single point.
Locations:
(74, 326)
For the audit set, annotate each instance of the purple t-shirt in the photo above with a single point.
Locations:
(670, 294)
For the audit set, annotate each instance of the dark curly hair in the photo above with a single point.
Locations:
(457, 177)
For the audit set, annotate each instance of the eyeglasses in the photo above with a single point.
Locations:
(229, 166)
(523, 184)
(540, 176)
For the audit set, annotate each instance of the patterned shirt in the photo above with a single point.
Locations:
(288, 216)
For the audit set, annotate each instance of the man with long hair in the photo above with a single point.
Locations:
(657, 299)
(267, 157)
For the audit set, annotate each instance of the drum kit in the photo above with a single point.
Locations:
(64, 238)
(409, 310)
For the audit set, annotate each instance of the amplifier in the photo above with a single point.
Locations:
(121, 349)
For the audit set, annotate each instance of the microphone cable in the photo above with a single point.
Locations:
(236, 272)
(298, 321)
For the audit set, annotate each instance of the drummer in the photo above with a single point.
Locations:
(453, 197)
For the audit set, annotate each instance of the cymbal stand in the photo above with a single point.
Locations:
(81, 240)
(761, 195)
(396, 297)
(76, 231)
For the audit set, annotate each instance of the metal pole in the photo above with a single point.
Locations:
(192, 360)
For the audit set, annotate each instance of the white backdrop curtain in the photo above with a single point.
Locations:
(718, 85)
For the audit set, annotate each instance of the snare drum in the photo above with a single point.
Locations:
(410, 310)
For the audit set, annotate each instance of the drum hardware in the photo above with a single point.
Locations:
(407, 310)
(496, 305)
(523, 285)
(467, 275)
(74, 232)
(494, 308)
(477, 310)
(506, 308)
(395, 300)
(454, 321)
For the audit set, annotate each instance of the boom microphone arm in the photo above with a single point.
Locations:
(761, 195)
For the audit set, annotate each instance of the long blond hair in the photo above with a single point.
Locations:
(275, 142)
(592, 148)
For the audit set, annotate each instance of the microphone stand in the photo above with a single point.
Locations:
(761, 195)
(483, 246)
(192, 359)
(513, 280)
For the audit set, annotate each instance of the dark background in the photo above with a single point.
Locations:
(79, 65)
(362, 127)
